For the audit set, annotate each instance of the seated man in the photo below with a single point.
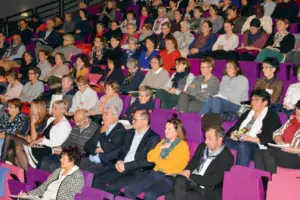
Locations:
(14, 54)
(132, 157)
(67, 91)
(24, 31)
(102, 145)
(3, 44)
(34, 88)
(83, 130)
(50, 39)
(203, 177)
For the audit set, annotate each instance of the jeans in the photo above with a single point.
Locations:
(245, 150)
(218, 105)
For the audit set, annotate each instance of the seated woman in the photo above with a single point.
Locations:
(133, 52)
(130, 18)
(223, 8)
(215, 19)
(83, 27)
(225, 43)
(3, 81)
(291, 98)
(287, 9)
(228, 100)
(147, 55)
(133, 78)
(85, 98)
(238, 20)
(145, 17)
(68, 24)
(112, 73)
(246, 8)
(146, 32)
(11, 122)
(31, 129)
(175, 24)
(111, 98)
(197, 20)
(178, 83)
(157, 77)
(170, 55)
(56, 132)
(14, 88)
(44, 64)
(270, 83)
(170, 10)
(265, 21)
(108, 13)
(58, 23)
(68, 48)
(254, 40)
(201, 88)
(114, 30)
(81, 66)
(165, 31)
(286, 157)
(170, 156)
(131, 33)
(98, 55)
(154, 8)
(254, 129)
(27, 62)
(67, 178)
(184, 38)
(143, 102)
(162, 18)
(204, 41)
(60, 69)
(100, 30)
(115, 48)
(278, 44)
(34, 88)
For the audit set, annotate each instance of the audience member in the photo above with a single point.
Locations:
(131, 33)
(100, 30)
(14, 88)
(108, 13)
(189, 11)
(197, 20)
(223, 8)
(269, 7)
(175, 24)
(44, 64)
(98, 54)
(114, 30)
(170, 55)
(58, 23)
(24, 32)
(177, 84)
(201, 88)
(171, 9)
(246, 9)
(26, 63)
(146, 17)
(3, 81)
(146, 32)
(238, 20)
(165, 31)
(115, 49)
(83, 27)
(68, 26)
(81, 66)
(287, 9)
(35, 22)
(215, 19)
(60, 69)
(130, 18)
(254, 129)
(184, 38)
(147, 55)
(162, 12)
(133, 52)
(3, 45)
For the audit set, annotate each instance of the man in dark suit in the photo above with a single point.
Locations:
(51, 38)
(132, 161)
(202, 179)
(102, 145)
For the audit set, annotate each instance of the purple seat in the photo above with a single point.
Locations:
(118, 15)
(135, 9)
(159, 118)
(195, 66)
(249, 172)
(72, 60)
(192, 124)
(93, 10)
(250, 69)
(94, 194)
(219, 68)
(126, 103)
(228, 125)
(237, 187)
(88, 178)
(234, 153)
(15, 187)
(100, 94)
(283, 117)
(282, 74)
(192, 147)
(34, 175)
(240, 39)
(156, 103)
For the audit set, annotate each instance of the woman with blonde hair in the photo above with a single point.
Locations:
(31, 129)
(68, 48)
(98, 55)
(55, 134)
(170, 156)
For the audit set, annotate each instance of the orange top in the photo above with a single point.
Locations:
(169, 59)
(83, 72)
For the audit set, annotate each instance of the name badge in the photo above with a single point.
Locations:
(269, 91)
(204, 86)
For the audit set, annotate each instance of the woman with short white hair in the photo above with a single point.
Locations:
(162, 18)
(184, 38)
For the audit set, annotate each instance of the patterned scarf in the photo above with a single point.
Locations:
(278, 38)
(253, 37)
(165, 152)
(178, 77)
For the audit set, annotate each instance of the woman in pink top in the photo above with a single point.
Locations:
(14, 88)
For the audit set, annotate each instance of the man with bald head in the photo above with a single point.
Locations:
(83, 130)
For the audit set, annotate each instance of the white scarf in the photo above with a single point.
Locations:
(256, 128)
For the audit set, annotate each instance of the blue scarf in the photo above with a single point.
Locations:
(165, 152)
(252, 38)
(178, 77)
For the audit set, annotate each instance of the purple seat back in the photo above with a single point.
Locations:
(88, 178)
(156, 103)
(15, 187)
(159, 118)
(192, 147)
(219, 68)
(246, 171)
(192, 124)
(195, 66)
(242, 187)
(72, 60)
(135, 9)
(283, 117)
(234, 153)
(34, 175)
(93, 10)
(89, 193)
(250, 69)
(282, 74)
(118, 15)
(100, 94)
(126, 103)
(240, 39)
(228, 125)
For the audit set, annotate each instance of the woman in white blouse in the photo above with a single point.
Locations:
(225, 43)
(55, 134)
(85, 98)
(291, 98)
(266, 21)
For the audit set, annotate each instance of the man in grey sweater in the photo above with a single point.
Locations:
(202, 87)
(83, 130)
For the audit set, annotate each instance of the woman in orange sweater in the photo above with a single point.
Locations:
(81, 67)
(170, 55)
(170, 156)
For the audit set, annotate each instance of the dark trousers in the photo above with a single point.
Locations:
(272, 158)
(188, 103)
(97, 169)
(221, 55)
(155, 184)
(168, 100)
(120, 180)
(245, 150)
(50, 163)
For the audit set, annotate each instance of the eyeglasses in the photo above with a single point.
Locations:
(204, 67)
(256, 99)
(30, 73)
(153, 62)
(265, 68)
(136, 119)
(79, 122)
